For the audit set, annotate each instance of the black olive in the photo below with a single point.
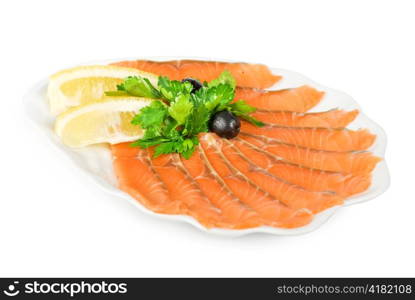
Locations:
(195, 83)
(225, 124)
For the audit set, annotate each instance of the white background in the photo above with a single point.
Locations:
(54, 222)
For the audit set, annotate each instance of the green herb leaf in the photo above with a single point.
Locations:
(149, 142)
(181, 108)
(251, 119)
(188, 146)
(116, 93)
(166, 148)
(138, 87)
(224, 78)
(151, 116)
(120, 87)
(171, 89)
(241, 107)
(216, 98)
(189, 152)
(198, 120)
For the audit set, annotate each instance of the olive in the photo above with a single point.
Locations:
(195, 83)
(225, 124)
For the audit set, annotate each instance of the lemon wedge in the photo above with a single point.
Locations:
(79, 85)
(107, 120)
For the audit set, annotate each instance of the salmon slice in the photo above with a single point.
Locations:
(315, 138)
(182, 188)
(136, 177)
(299, 99)
(246, 75)
(344, 185)
(329, 119)
(342, 162)
(235, 211)
(124, 150)
(272, 210)
(292, 195)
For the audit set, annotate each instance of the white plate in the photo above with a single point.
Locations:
(95, 161)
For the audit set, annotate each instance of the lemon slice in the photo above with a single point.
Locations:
(107, 120)
(83, 84)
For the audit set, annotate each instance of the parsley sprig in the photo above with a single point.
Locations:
(173, 121)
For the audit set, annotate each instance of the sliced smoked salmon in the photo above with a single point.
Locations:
(329, 139)
(310, 179)
(240, 183)
(334, 118)
(292, 195)
(219, 193)
(342, 162)
(246, 75)
(137, 177)
(183, 189)
(275, 212)
(299, 99)
(168, 184)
